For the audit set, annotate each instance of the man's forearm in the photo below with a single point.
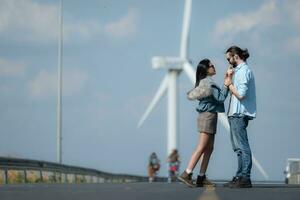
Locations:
(234, 91)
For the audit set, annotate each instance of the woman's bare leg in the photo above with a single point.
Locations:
(201, 147)
(207, 153)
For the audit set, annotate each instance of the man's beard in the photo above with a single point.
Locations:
(234, 64)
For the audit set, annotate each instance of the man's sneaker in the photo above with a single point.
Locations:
(202, 181)
(186, 179)
(230, 183)
(242, 182)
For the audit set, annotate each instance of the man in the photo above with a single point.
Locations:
(242, 108)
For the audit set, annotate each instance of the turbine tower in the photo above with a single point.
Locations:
(174, 66)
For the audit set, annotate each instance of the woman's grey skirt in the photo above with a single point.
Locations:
(207, 122)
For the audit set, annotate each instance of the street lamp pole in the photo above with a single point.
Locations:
(59, 96)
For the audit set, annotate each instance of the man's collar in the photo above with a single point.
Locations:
(239, 66)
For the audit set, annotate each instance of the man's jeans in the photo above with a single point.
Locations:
(240, 144)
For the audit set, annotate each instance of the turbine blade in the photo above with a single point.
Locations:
(259, 167)
(190, 72)
(185, 28)
(224, 121)
(161, 90)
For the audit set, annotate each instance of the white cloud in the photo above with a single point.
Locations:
(44, 85)
(75, 80)
(28, 19)
(125, 27)
(83, 30)
(266, 16)
(292, 45)
(292, 8)
(32, 21)
(11, 68)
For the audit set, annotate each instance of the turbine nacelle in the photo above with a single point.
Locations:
(171, 63)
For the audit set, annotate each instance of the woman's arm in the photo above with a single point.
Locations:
(220, 94)
(198, 93)
(201, 91)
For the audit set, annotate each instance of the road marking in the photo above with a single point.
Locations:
(209, 193)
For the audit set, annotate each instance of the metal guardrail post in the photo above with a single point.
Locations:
(6, 176)
(25, 176)
(41, 174)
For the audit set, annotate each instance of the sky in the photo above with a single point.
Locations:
(108, 81)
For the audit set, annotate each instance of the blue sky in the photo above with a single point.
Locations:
(109, 82)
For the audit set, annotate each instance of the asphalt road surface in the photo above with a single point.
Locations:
(145, 191)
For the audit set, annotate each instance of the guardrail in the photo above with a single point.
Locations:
(15, 170)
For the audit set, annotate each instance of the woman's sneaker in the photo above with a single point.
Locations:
(202, 181)
(186, 179)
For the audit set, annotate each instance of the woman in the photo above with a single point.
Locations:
(211, 101)
(174, 162)
(153, 166)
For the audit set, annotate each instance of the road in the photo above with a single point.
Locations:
(145, 191)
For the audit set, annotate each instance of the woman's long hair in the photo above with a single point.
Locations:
(201, 72)
(174, 156)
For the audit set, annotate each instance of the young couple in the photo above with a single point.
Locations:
(239, 83)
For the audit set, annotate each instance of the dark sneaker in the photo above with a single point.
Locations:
(242, 182)
(186, 179)
(202, 181)
(230, 183)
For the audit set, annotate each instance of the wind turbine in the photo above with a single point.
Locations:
(174, 66)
